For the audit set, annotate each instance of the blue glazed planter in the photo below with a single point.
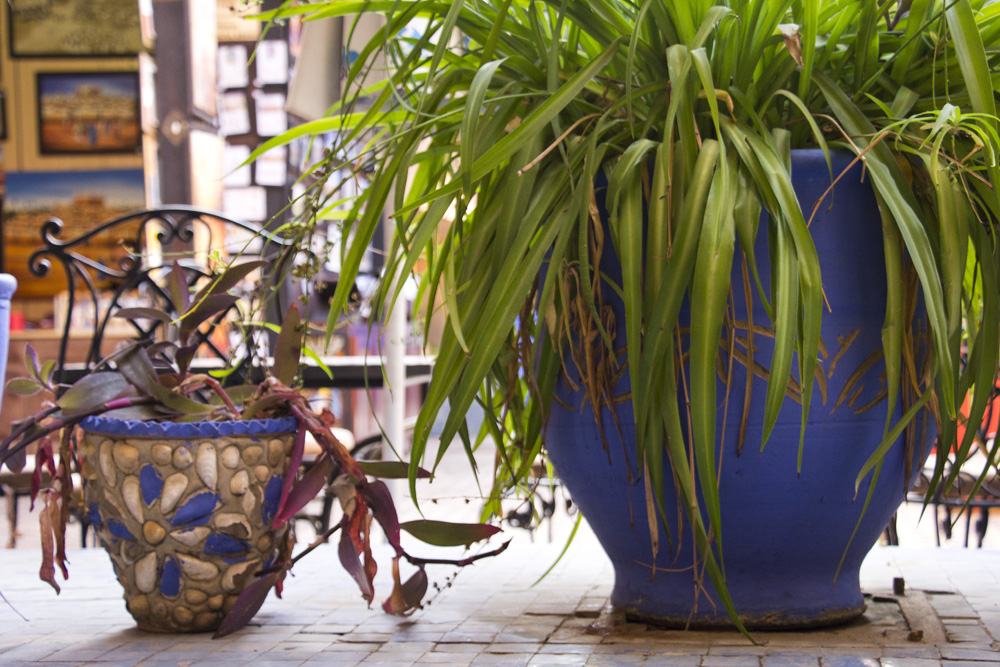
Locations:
(783, 533)
(185, 511)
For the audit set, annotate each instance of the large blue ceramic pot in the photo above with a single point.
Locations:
(784, 533)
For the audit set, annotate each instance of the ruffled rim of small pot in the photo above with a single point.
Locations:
(145, 429)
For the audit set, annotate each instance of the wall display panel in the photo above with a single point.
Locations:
(202, 57)
(88, 113)
(68, 28)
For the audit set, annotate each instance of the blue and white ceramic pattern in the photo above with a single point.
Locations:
(186, 520)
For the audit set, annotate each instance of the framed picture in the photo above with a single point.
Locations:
(74, 28)
(81, 199)
(88, 113)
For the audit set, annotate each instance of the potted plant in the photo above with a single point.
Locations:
(635, 216)
(190, 485)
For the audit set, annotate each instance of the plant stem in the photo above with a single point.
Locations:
(214, 385)
(460, 562)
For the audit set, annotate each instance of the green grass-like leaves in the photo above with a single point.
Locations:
(485, 141)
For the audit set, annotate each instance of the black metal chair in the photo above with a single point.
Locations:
(139, 276)
(963, 493)
(146, 244)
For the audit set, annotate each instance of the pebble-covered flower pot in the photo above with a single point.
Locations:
(185, 510)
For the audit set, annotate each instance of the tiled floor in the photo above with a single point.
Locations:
(490, 614)
(949, 616)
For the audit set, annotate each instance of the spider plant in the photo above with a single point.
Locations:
(487, 130)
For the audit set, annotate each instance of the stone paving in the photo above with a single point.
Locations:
(949, 615)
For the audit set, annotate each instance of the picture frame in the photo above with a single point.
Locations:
(73, 28)
(88, 113)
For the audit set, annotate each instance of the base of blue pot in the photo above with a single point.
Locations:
(783, 615)
(778, 620)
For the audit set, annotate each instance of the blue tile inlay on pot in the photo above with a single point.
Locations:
(151, 483)
(118, 529)
(272, 496)
(94, 515)
(170, 580)
(196, 510)
(220, 544)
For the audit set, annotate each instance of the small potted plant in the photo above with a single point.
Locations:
(665, 230)
(190, 485)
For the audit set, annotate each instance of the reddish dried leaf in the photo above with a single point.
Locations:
(415, 588)
(58, 516)
(248, 604)
(349, 559)
(405, 598)
(47, 572)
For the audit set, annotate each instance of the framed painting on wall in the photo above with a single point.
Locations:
(88, 113)
(74, 28)
(82, 200)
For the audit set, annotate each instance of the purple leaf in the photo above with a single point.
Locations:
(184, 356)
(294, 461)
(180, 294)
(379, 498)
(288, 347)
(135, 365)
(295, 496)
(447, 534)
(391, 469)
(247, 604)
(158, 347)
(229, 279)
(92, 391)
(31, 361)
(23, 387)
(210, 305)
(349, 559)
(143, 313)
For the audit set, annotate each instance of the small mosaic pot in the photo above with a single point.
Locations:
(185, 510)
